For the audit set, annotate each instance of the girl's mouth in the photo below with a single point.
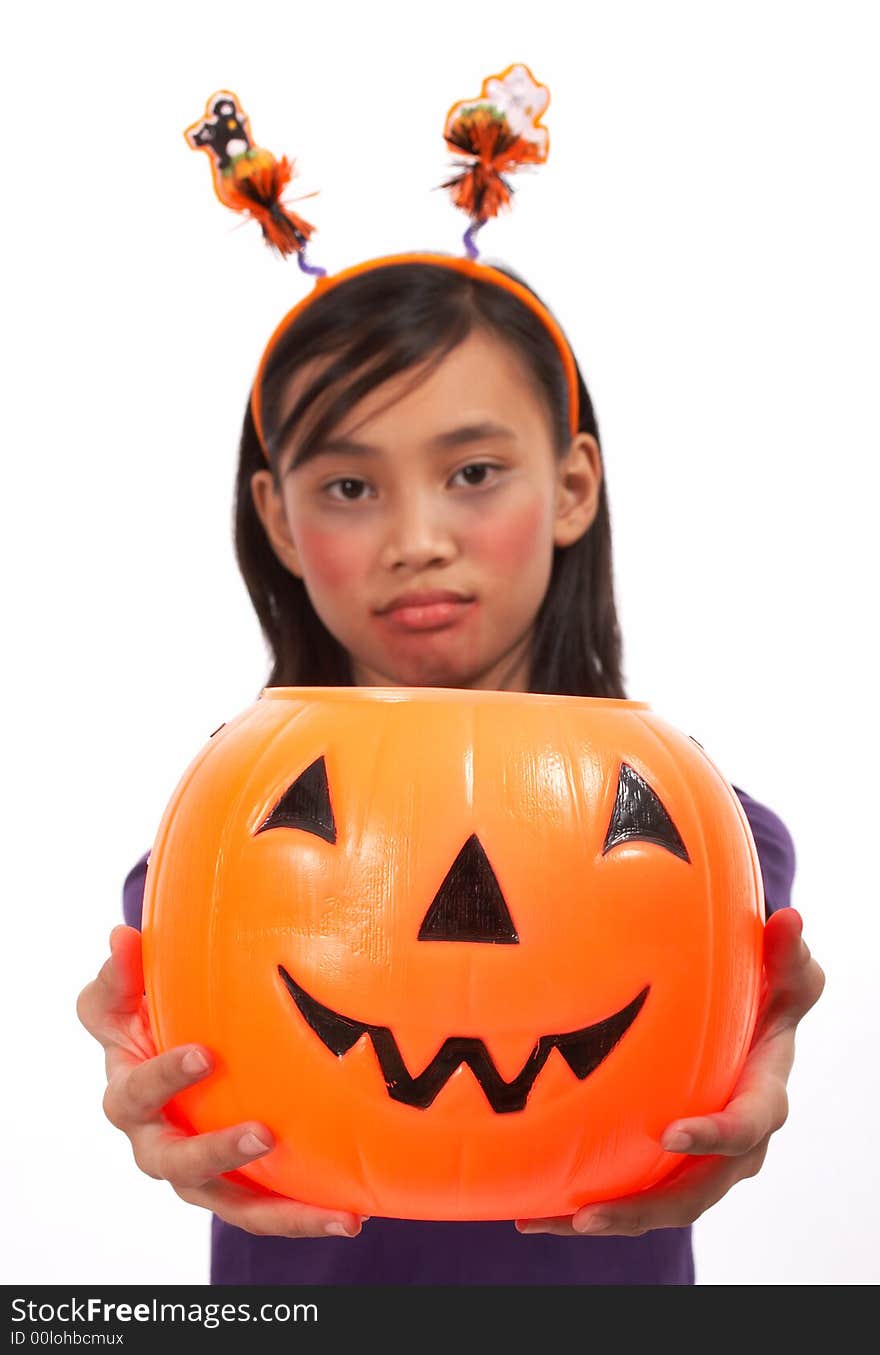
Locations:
(431, 617)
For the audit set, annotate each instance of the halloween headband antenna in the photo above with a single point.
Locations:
(494, 135)
(500, 131)
(248, 178)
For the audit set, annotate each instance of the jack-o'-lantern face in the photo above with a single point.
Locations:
(466, 953)
(469, 906)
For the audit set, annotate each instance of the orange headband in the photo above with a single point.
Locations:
(473, 269)
(496, 133)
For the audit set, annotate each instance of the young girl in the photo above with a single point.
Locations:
(416, 425)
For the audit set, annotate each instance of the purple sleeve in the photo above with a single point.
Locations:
(133, 892)
(775, 851)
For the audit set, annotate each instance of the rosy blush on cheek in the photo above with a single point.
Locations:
(509, 541)
(330, 560)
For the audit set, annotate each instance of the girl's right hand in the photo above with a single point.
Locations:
(113, 1009)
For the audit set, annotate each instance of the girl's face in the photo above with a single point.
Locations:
(447, 484)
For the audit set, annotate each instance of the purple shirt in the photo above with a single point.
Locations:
(403, 1251)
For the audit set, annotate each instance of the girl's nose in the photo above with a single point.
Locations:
(418, 533)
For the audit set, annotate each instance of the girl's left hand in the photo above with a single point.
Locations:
(731, 1145)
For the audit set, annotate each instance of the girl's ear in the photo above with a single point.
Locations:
(578, 484)
(269, 503)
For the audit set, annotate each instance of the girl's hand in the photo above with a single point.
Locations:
(139, 1082)
(732, 1144)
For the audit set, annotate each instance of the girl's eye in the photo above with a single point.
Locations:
(346, 480)
(478, 466)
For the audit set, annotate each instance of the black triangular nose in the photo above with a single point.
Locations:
(469, 905)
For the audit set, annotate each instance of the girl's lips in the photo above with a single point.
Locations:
(430, 617)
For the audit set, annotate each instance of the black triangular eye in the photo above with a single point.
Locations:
(306, 805)
(469, 905)
(639, 816)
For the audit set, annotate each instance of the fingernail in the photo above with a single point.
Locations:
(195, 1062)
(678, 1142)
(339, 1230)
(590, 1223)
(251, 1145)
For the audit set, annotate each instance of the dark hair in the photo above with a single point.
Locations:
(376, 324)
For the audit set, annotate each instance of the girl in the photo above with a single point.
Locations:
(416, 425)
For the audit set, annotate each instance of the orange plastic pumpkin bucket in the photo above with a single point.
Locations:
(466, 953)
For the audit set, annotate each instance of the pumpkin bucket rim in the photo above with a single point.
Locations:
(445, 695)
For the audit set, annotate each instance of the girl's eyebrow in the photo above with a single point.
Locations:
(441, 442)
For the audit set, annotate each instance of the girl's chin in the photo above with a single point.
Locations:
(423, 671)
(432, 677)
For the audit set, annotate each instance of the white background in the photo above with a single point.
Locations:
(706, 230)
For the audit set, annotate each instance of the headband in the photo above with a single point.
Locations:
(498, 132)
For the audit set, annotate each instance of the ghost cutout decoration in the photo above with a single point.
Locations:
(466, 953)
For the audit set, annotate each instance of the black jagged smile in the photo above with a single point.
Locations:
(583, 1051)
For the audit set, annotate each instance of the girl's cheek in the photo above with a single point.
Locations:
(510, 541)
(329, 559)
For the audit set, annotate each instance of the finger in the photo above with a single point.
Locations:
(675, 1203)
(118, 988)
(193, 1160)
(137, 1092)
(757, 1109)
(558, 1225)
(271, 1216)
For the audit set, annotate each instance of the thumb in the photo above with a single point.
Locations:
(794, 980)
(118, 988)
(785, 950)
(128, 968)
